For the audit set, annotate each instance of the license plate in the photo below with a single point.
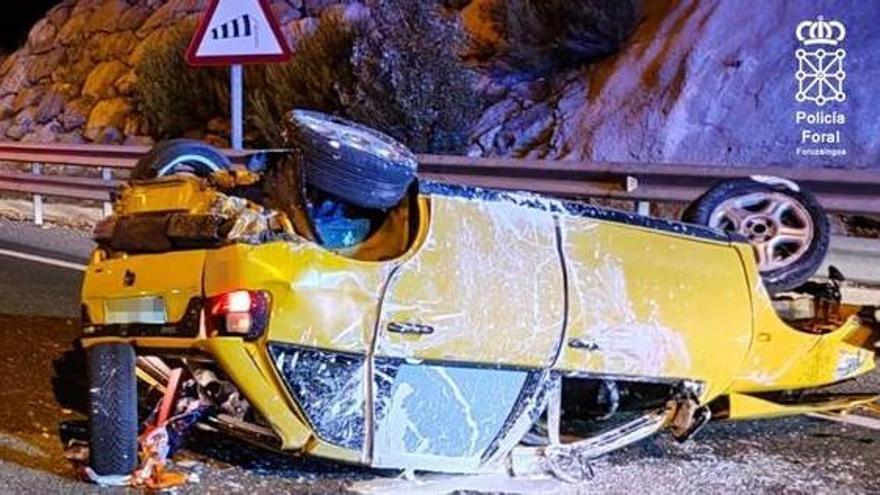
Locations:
(144, 310)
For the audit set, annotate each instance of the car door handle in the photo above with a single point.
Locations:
(410, 328)
(583, 344)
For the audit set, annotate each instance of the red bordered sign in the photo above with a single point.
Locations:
(238, 32)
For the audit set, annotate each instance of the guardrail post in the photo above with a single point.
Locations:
(107, 176)
(37, 169)
(643, 208)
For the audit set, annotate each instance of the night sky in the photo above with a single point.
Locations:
(18, 18)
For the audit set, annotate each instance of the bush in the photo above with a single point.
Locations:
(314, 78)
(409, 79)
(175, 97)
(400, 74)
(538, 37)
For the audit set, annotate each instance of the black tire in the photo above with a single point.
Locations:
(352, 162)
(205, 160)
(705, 210)
(113, 419)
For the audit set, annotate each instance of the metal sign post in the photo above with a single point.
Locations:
(236, 32)
(237, 112)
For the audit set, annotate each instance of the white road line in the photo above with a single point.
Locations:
(43, 260)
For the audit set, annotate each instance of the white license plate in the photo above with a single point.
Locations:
(144, 310)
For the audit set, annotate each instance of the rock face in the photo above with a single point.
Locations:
(73, 80)
(708, 81)
(701, 81)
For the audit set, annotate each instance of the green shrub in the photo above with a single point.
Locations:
(410, 80)
(538, 37)
(399, 72)
(173, 96)
(314, 78)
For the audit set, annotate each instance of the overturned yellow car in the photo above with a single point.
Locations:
(459, 330)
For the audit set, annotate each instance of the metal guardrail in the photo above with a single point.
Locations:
(839, 190)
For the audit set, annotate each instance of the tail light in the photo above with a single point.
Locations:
(239, 314)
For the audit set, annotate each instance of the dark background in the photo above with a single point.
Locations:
(17, 19)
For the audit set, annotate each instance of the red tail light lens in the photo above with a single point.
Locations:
(239, 314)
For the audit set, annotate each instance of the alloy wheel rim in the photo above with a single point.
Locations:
(778, 226)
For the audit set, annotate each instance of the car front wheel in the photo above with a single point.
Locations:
(786, 225)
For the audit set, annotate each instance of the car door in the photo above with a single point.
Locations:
(467, 327)
(654, 304)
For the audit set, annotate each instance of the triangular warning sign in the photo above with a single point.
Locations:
(237, 32)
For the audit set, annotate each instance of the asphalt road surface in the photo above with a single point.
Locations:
(38, 311)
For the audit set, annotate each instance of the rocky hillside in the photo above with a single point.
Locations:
(700, 81)
(73, 81)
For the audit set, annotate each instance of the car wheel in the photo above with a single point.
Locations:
(352, 162)
(786, 225)
(180, 156)
(113, 420)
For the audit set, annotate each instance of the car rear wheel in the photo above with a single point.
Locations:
(113, 420)
(786, 225)
(180, 156)
(354, 163)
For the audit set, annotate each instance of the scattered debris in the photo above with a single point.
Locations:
(163, 435)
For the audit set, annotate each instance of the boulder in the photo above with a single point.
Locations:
(44, 134)
(8, 63)
(74, 72)
(51, 106)
(76, 114)
(73, 30)
(16, 78)
(107, 113)
(7, 105)
(16, 132)
(169, 14)
(41, 67)
(104, 47)
(42, 36)
(23, 123)
(126, 84)
(107, 135)
(105, 17)
(74, 137)
(59, 14)
(133, 18)
(101, 82)
(26, 98)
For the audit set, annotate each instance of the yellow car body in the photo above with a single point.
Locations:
(438, 356)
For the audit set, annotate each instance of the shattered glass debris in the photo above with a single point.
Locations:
(443, 415)
(330, 388)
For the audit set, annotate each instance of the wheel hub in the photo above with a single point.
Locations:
(759, 229)
(776, 224)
